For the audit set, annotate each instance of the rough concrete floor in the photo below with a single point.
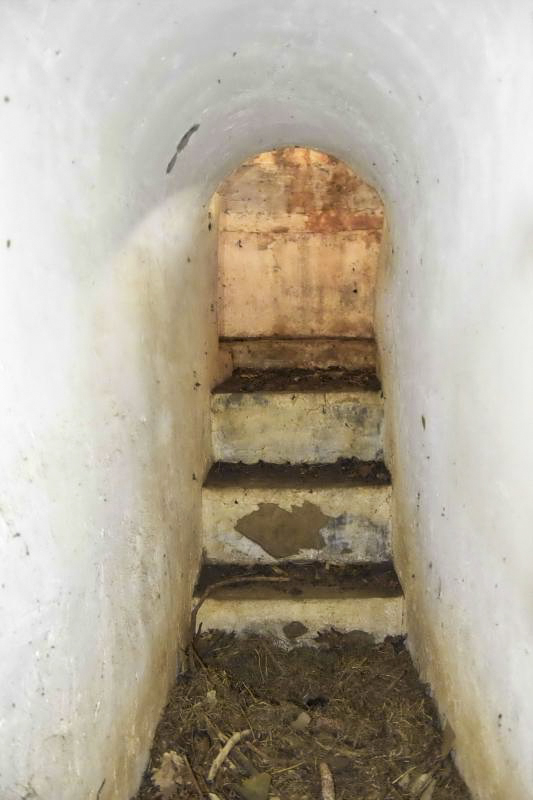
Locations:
(356, 706)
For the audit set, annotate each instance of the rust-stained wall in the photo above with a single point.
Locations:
(298, 248)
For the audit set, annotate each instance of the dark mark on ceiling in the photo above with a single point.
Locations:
(183, 142)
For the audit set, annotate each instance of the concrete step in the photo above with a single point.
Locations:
(265, 513)
(303, 602)
(319, 353)
(297, 416)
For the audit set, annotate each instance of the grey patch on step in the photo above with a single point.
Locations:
(284, 533)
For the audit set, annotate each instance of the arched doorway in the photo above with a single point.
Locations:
(298, 250)
(298, 478)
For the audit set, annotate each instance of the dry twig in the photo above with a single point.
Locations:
(225, 751)
(229, 582)
(326, 778)
(244, 763)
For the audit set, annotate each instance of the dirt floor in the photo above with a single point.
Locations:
(349, 710)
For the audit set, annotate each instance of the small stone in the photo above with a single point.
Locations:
(212, 697)
(293, 630)
(419, 784)
(301, 723)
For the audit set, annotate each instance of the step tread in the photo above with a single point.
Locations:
(343, 473)
(312, 581)
(299, 380)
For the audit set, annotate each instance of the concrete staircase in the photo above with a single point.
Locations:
(299, 492)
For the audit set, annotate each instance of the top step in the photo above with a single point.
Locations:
(314, 353)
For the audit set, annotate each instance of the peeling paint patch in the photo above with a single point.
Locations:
(283, 533)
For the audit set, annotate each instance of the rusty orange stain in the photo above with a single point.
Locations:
(285, 280)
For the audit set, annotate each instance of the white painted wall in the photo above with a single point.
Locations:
(430, 100)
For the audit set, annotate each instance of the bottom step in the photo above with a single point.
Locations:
(302, 601)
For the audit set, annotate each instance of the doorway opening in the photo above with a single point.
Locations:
(299, 235)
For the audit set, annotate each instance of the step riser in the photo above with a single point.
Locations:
(305, 427)
(378, 616)
(334, 524)
(308, 353)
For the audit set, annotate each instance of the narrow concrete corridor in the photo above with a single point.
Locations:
(126, 377)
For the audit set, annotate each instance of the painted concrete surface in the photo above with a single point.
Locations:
(302, 427)
(298, 248)
(378, 616)
(428, 101)
(319, 353)
(249, 525)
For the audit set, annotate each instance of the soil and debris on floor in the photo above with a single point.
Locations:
(347, 720)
